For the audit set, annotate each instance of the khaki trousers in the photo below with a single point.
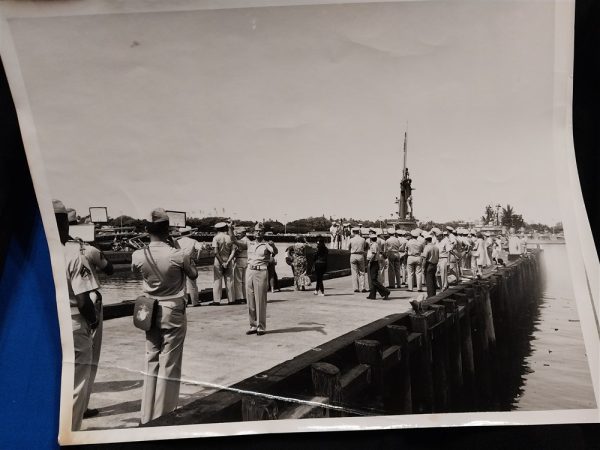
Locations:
(414, 271)
(394, 269)
(239, 278)
(191, 288)
(443, 268)
(96, 347)
(82, 342)
(357, 271)
(164, 354)
(218, 276)
(257, 285)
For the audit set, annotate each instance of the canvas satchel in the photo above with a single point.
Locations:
(144, 310)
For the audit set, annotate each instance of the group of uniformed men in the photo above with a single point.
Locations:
(168, 273)
(412, 258)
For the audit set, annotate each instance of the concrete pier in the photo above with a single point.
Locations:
(217, 351)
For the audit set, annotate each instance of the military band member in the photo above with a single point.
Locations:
(393, 246)
(81, 283)
(98, 263)
(222, 245)
(356, 246)
(164, 269)
(257, 281)
(192, 248)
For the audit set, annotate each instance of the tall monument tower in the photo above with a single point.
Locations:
(406, 216)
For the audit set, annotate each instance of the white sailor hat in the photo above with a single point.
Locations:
(159, 215)
(415, 232)
(220, 225)
(59, 207)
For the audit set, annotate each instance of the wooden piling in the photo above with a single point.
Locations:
(455, 379)
(422, 377)
(369, 352)
(326, 383)
(259, 407)
(398, 335)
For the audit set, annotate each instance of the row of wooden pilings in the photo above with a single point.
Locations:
(461, 352)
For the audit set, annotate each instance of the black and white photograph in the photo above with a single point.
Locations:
(297, 216)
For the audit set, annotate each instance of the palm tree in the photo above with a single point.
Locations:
(508, 214)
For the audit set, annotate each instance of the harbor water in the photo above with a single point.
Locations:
(126, 285)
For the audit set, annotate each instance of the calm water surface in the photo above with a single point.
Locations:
(125, 285)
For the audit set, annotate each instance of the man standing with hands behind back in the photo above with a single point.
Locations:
(222, 245)
(257, 281)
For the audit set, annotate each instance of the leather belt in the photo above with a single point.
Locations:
(258, 267)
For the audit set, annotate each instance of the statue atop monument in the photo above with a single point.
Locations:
(405, 202)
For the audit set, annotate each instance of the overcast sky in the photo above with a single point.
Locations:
(297, 111)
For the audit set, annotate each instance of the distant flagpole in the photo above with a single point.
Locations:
(405, 151)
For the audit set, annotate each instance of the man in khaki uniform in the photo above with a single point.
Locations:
(81, 283)
(222, 245)
(240, 265)
(356, 246)
(192, 248)
(257, 281)
(445, 247)
(164, 269)
(415, 269)
(392, 247)
(98, 262)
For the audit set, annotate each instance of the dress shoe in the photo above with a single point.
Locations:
(370, 298)
(364, 291)
(90, 412)
(356, 290)
(260, 332)
(386, 296)
(252, 331)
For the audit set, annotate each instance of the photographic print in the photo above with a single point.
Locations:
(273, 216)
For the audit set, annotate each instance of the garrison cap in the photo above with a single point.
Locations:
(59, 207)
(158, 215)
